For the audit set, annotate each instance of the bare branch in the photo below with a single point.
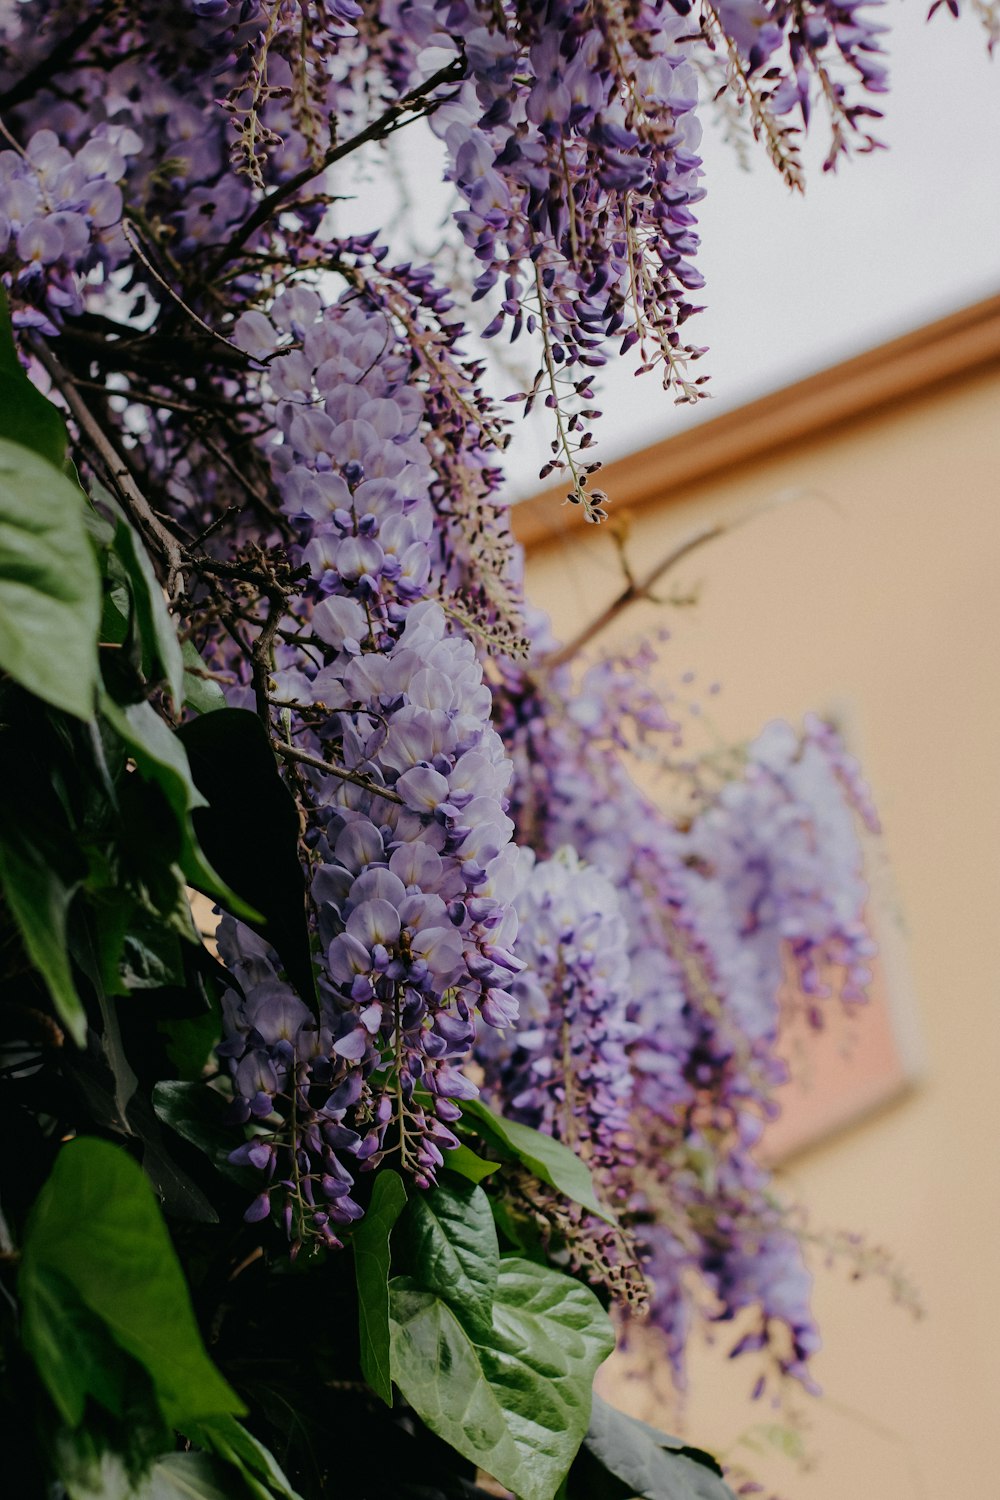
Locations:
(414, 104)
(129, 231)
(291, 752)
(642, 588)
(633, 591)
(134, 501)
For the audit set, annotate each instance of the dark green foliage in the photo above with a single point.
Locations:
(50, 591)
(370, 1243)
(544, 1156)
(97, 1259)
(623, 1458)
(233, 768)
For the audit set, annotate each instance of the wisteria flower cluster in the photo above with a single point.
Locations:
(413, 868)
(763, 881)
(564, 1067)
(61, 220)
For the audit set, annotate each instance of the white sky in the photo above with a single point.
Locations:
(890, 241)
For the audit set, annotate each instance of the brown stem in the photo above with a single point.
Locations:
(291, 752)
(260, 657)
(634, 590)
(385, 125)
(134, 501)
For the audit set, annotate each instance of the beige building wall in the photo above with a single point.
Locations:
(866, 581)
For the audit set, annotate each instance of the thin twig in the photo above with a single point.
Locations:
(260, 656)
(291, 752)
(386, 123)
(642, 588)
(633, 591)
(268, 582)
(134, 500)
(256, 494)
(128, 230)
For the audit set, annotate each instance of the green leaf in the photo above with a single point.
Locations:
(234, 769)
(623, 1457)
(50, 588)
(97, 1226)
(189, 1042)
(198, 1113)
(202, 694)
(543, 1155)
(80, 1356)
(184, 1476)
(370, 1242)
(39, 900)
(521, 1231)
(92, 1468)
(466, 1163)
(160, 756)
(150, 955)
(26, 416)
(518, 1402)
(161, 650)
(260, 1470)
(451, 1250)
(114, 614)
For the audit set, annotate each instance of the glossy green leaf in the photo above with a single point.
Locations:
(517, 1402)
(38, 899)
(26, 416)
(546, 1157)
(160, 756)
(370, 1242)
(79, 1354)
(50, 587)
(450, 1246)
(260, 1471)
(97, 1227)
(201, 693)
(198, 1113)
(187, 1476)
(623, 1457)
(190, 1041)
(161, 650)
(463, 1160)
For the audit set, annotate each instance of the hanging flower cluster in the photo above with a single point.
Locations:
(61, 219)
(760, 885)
(413, 868)
(564, 1068)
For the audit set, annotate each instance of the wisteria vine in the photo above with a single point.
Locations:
(294, 422)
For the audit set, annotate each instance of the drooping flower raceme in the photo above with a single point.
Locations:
(60, 221)
(763, 881)
(413, 870)
(564, 1068)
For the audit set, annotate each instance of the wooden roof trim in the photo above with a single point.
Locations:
(915, 364)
